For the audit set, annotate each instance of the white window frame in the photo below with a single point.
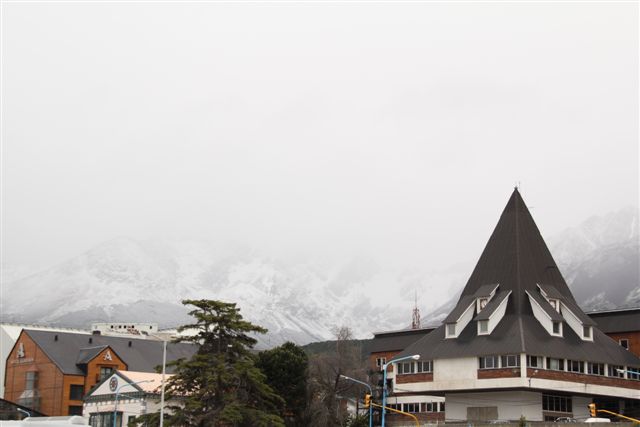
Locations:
(407, 407)
(553, 327)
(550, 361)
(495, 362)
(402, 366)
(516, 361)
(570, 366)
(421, 364)
(483, 327)
(449, 333)
(539, 361)
(592, 365)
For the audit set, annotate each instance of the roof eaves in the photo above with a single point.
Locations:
(544, 306)
(496, 301)
(467, 303)
(486, 290)
(577, 312)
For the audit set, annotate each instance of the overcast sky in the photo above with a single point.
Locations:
(397, 129)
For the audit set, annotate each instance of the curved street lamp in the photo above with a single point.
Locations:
(370, 394)
(164, 370)
(628, 371)
(115, 406)
(384, 380)
(23, 411)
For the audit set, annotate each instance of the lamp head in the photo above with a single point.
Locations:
(415, 357)
(620, 371)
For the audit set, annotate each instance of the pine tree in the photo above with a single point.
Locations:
(286, 369)
(220, 385)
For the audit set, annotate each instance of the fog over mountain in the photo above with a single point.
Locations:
(299, 299)
(600, 260)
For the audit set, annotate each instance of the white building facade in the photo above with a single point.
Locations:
(125, 395)
(517, 344)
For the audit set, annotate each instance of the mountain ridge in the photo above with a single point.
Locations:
(302, 301)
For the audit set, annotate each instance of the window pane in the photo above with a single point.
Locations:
(484, 325)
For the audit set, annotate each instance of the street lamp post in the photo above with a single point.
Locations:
(164, 367)
(115, 406)
(622, 371)
(164, 370)
(384, 380)
(370, 394)
(23, 411)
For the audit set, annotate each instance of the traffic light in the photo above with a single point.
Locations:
(367, 400)
(592, 410)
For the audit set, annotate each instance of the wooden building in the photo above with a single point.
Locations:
(51, 372)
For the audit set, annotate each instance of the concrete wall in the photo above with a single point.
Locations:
(580, 406)
(511, 405)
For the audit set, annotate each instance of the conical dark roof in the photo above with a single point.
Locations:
(517, 258)
(517, 261)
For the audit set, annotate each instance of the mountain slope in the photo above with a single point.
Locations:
(300, 300)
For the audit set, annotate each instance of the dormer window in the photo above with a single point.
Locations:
(451, 330)
(557, 328)
(483, 327)
(482, 303)
(586, 332)
(555, 304)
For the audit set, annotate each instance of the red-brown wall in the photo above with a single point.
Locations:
(53, 386)
(633, 337)
(50, 379)
(387, 354)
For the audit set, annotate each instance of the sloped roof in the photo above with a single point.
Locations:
(140, 355)
(492, 306)
(85, 355)
(621, 320)
(546, 307)
(153, 380)
(397, 340)
(517, 258)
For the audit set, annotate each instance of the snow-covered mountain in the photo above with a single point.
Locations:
(600, 260)
(299, 299)
(128, 280)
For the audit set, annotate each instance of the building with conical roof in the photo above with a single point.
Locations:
(517, 343)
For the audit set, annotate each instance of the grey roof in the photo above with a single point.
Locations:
(517, 258)
(462, 306)
(486, 290)
(552, 292)
(86, 355)
(575, 309)
(495, 302)
(465, 301)
(69, 350)
(525, 335)
(397, 340)
(623, 320)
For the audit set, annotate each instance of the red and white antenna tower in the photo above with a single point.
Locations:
(415, 321)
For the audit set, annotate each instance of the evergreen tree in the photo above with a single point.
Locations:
(286, 370)
(220, 385)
